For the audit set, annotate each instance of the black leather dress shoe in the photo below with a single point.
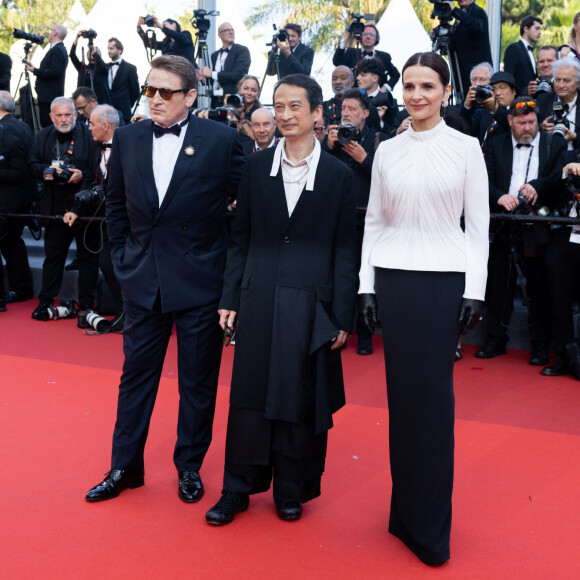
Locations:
(190, 488)
(288, 510)
(114, 483)
(230, 504)
(41, 311)
(491, 349)
(540, 355)
(559, 368)
(13, 296)
(365, 344)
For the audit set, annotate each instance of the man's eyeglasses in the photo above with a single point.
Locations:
(319, 130)
(225, 30)
(81, 109)
(165, 94)
(523, 104)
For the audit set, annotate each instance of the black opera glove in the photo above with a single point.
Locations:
(367, 312)
(470, 313)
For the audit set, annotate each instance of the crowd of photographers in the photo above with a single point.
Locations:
(524, 116)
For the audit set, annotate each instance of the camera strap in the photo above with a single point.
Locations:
(69, 151)
(528, 164)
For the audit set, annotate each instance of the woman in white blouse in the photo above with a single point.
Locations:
(428, 278)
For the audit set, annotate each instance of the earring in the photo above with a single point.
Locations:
(445, 103)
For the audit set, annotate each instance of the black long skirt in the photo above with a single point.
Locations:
(419, 312)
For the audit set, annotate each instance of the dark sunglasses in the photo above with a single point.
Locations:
(165, 94)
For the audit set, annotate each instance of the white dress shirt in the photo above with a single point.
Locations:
(113, 70)
(530, 54)
(297, 176)
(526, 161)
(421, 184)
(165, 153)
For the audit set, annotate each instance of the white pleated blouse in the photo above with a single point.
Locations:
(421, 184)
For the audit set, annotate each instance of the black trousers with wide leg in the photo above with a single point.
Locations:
(419, 312)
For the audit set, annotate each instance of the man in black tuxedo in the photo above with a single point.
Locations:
(50, 74)
(264, 129)
(66, 146)
(176, 42)
(519, 58)
(291, 275)
(566, 92)
(469, 41)
(90, 75)
(342, 80)
(169, 178)
(123, 82)
(351, 57)
(547, 56)
(519, 165)
(293, 56)
(16, 191)
(86, 102)
(5, 72)
(229, 64)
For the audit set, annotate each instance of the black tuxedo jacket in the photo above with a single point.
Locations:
(100, 79)
(350, 57)
(499, 158)
(51, 73)
(178, 249)
(299, 61)
(470, 41)
(5, 72)
(236, 66)
(517, 62)
(175, 43)
(125, 89)
(545, 103)
(481, 123)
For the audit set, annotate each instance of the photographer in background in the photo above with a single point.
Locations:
(351, 57)
(547, 56)
(176, 42)
(560, 108)
(354, 142)
(60, 160)
(50, 74)
(518, 165)
(294, 56)
(469, 40)
(342, 80)
(5, 72)
(264, 129)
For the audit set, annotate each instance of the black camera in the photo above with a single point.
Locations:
(484, 92)
(441, 9)
(90, 34)
(384, 100)
(357, 27)
(561, 122)
(89, 319)
(67, 309)
(149, 20)
(201, 23)
(94, 194)
(235, 101)
(544, 86)
(573, 183)
(347, 133)
(27, 36)
(281, 35)
(51, 174)
(523, 208)
(227, 115)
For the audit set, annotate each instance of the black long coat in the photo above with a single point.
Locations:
(293, 282)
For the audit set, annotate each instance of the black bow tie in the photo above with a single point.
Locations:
(110, 64)
(365, 53)
(159, 131)
(105, 146)
(520, 145)
(530, 48)
(224, 50)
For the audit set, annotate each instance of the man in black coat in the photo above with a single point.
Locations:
(293, 56)
(342, 80)
(469, 41)
(50, 74)
(176, 42)
(519, 58)
(89, 75)
(291, 276)
(519, 165)
(5, 72)
(351, 57)
(123, 81)
(228, 65)
(169, 178)
(16, 191)
(66, 146)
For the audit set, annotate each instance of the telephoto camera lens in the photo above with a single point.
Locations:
(100, 324)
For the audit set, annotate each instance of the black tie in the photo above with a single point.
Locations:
(530, 48)
(520, 145)
(105, 146)
(159, 131)
(365, 53)
(111, 64)
(224, 50)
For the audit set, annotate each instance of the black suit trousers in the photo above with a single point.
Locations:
(44, 114)
(58, 237)
(13, 250)
(145, 339)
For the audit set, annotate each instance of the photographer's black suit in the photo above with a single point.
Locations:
(485, 125)
(175, 43)
(545, 103)
(57, 200)
(517, 62)
(169, 260)
(5, 72)
(236, 65)
(470, 42)
(50, 77)
(125, 89)
(529, 243)
(299, 61)
(99, 76)
(350, 57)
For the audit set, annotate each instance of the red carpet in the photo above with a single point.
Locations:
(516, 507)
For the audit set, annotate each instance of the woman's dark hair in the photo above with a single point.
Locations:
(431, 60)
(312, 88)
